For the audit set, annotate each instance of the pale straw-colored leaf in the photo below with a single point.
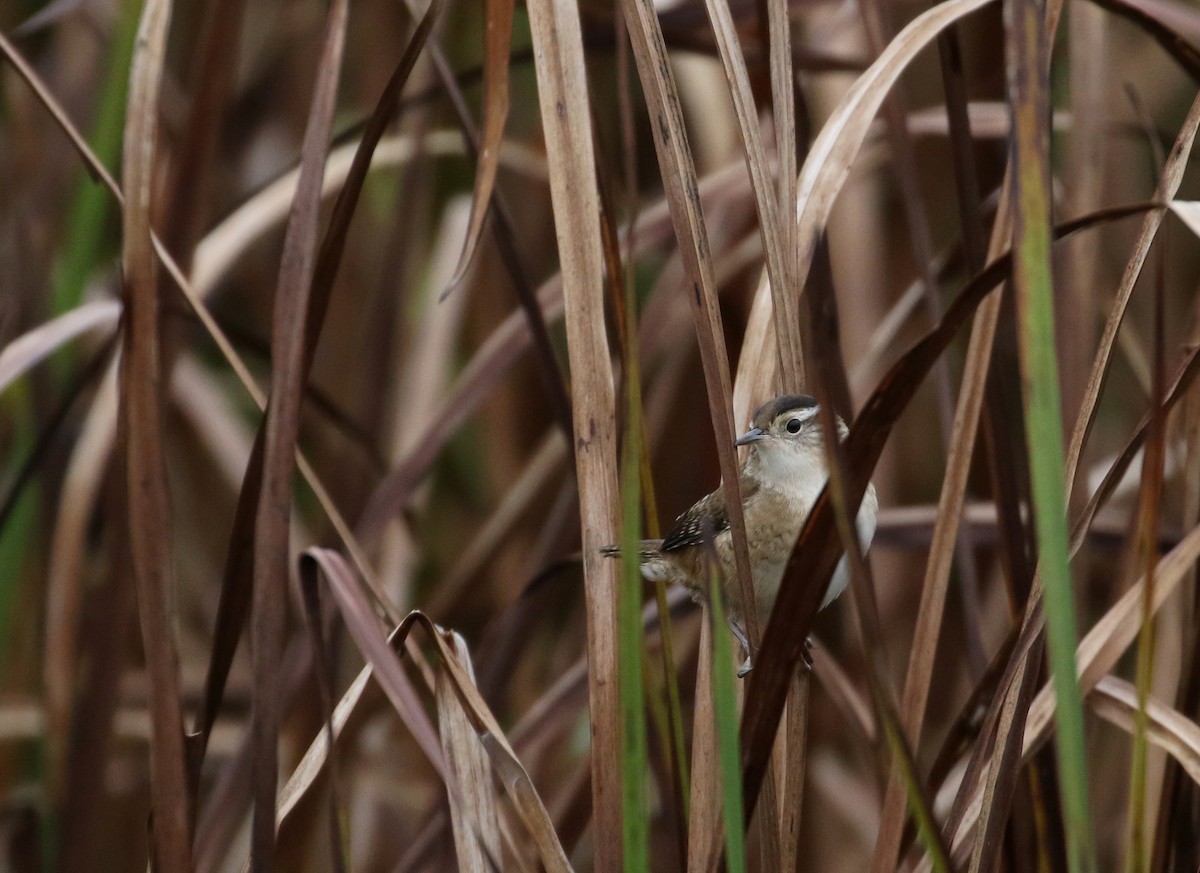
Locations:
(28, 350)
(1115, 701)
(567, 126)
(473, 816)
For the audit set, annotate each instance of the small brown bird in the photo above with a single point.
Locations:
(781, 478)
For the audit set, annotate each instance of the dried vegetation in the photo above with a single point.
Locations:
(336, 338)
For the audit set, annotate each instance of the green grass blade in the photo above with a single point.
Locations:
(1043, 419)
(92, 207)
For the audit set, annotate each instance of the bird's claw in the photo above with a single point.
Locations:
(806, 657)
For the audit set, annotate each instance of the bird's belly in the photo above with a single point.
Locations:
(773, 522)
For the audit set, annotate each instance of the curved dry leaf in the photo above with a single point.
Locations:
(498, 25)
(1115, 700)
(385, 666)
(28, 350)
(836, 147)
(508, 767)
(833, 152)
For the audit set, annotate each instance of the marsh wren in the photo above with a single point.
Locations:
(781, 478)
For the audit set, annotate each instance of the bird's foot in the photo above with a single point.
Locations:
(744, 670)
(806, 657)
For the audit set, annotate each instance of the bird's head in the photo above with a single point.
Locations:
(785, 436)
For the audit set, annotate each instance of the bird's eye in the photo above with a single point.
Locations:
(793, 426)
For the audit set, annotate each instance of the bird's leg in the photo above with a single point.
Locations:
(740, 635)
(806, 657)
(744, 641)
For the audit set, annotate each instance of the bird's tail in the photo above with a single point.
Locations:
(649, 550)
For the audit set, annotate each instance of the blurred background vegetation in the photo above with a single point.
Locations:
(432, 421)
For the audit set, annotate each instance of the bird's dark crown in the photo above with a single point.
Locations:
(772, 409)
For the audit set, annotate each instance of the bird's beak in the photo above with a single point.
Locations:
(751, 436)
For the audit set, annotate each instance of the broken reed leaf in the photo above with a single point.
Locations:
(311, 310)
(141, 403)
(25, 352)
(384, 664)
(272, 515)
(367, 631)
(497, 27)
(817, 550)
(565, 109)
(474, 819)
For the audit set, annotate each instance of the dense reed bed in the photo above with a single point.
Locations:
(337, 338)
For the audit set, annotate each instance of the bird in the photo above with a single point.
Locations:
(782, 476)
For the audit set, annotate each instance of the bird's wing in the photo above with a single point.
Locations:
(689, 527)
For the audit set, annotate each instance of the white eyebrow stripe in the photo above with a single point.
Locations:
(807, 413)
